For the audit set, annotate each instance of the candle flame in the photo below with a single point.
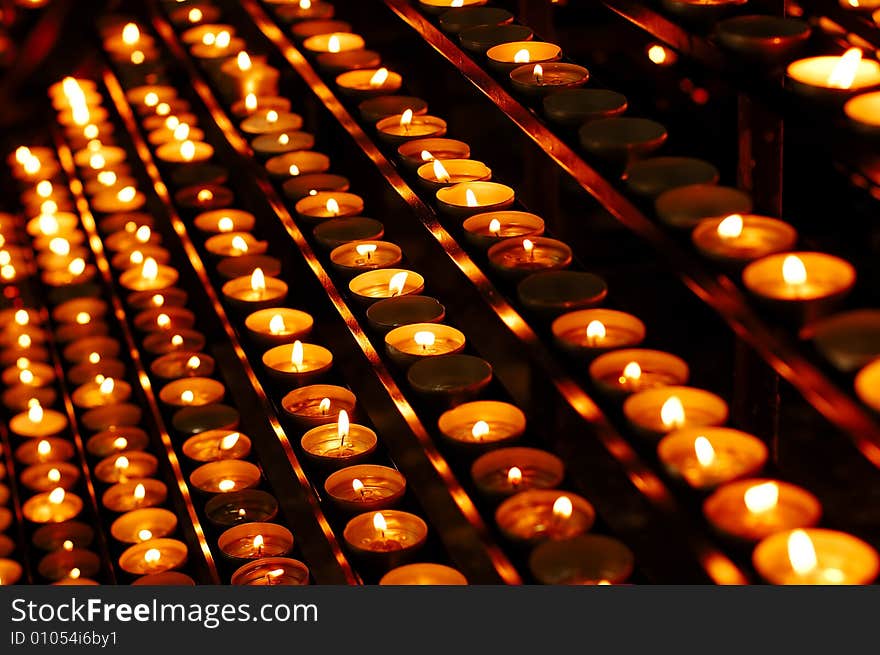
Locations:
(140, 492)
(296, 354)
(209, 38)
(83, 318)
(844, 73)
(163, 109)
(151, 99)
(470, 198)
(672, 413)
(48, 224)
(424, 338)
(379, 522)
(120, 443)
(258, 281)
(54, 475)
(342, 425)
(595, 332)
(32, 165)
(44, 448)
(440, 172)
(562, 508)
(77, 266)
(365, 249)
(332, 207)
(74, 573)
(305, 4)
(204, 195)
(793, 270)
(226, 485)
(107, 178)
(239, 244)
(152, 556)
(495, 226)
(293, 170)
(731, 227)
(163, 320)
(94, 358)
(150, 269)
(538, 72)
(22, 317)
(26, 376)
(67, 545)
(22, 362)
(60, 246)
(801, 552)
(514, 476)
(225, 224)
(762, 497)
(631, 372)
(271, 116)
(480, 430)
(193, 362)
(284, 139)
(187, 396)
(229, 441)
(143, 233)
(379, 78)
(44, 188)
(276, 324)
(8, 273)
(56, 496)
(145, 535)
(250, 102)
(90, 131)
(130, 34)
(23, 153)
(158, 300)
(176, 340)
(35, 413)
(522, 57)
(49, 207)
(457, 3)
(258, 542)
(426, 155)
(223, 39)
(324, 405)
(397, 283)
(121, 463)
(188, 150)
(406, 118)
(194, 15)
(244, 61)
(137, 57)
(181, 132)
(333, 44)
(357, 485)
(704, 451)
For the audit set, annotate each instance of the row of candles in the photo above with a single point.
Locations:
(704, 456)
(538, 511)
(805, 285)
(188, 385)
(119, 452)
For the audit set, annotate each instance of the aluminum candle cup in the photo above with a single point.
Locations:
(219, 221)
(325, 205)
(153, 556)
(418, 151)
(707, 457)
(142, 524)
(299, 162)
(253, 103)
(184, 152)
(367, 82)
(437, 174)
(486, 229)
(862, 112)
(400, 128)
(334, 42)
(51, 537)
(255, 541)
(271, 571)
(655, 412)
(237, 507)
(254, 292)
(686, 206)
(150, 276)
(365, 487)
(357, 256)
(266, 121)
(517, 258)
(651, 177)
(409, 343)
(301, 11)
(538, 514)
(192, 392)
(542, 79)
(391, 313)
(423, 574)
(385, 538)
(170, 297)
(375, 109)
(277, 325)
(457, 20)
(109, 416)
(507, 56)
(230, 268)
(174, 365)
(583, 560)
(53, 506)
(127, 465)
(815, 557)
(304, 29)
(235, 244)
(214, 445)
(621, 139)
(738, 239)
(749, 510)
(833, 78)
(308, 184)
(385, 283)
(592, 331)
(167, 341)
(70, 564)
(133, 494)
(224, 476)
(38, 421)
(318, 404)
(450, 378)
(507, 471)
(164, 318)
(117, 440)
(298, 363)
(866, 385)
(442, 6)
(574, 107)
(35, 451)
(335, 445)
(468, 198)
(760, 37)
(46, 476)
(621, 372)
(482, 424)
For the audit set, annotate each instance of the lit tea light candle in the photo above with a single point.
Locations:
(541, 79)
(318, 404)
(10, 571)
(297, 362)
(468, 198)
(423, 574)
(235, 244)
(277, 325)
(408, 343)
(153, 556)
(238, 507)
(49, 475)
(539, 514)
(164, 318)
(179, 364)
(192, 392)
(44, 450)
(196, 34)
(437, 173)
(833, 76)
(52, 225)
(224, 476)
(339, 444)
(301, 10)
(174, 129)
(224, 221)
(400, 128)
(202, 197)
(149, 276)
(256, 291)
(98, 156)
(299, 162)
(38, 422)
(69, 563)
(334, 42)
(385, 537)
(170, 297)
(655, 412)
(592, 331)
(253, 103)
(272, 571)
(76, 272)
(752, 509)
(369, 82)
(587, 559)
(806, 280)
(97, 393)
(216, 46)
(622, 372)
(184, 152)
(255, 541)
(385, 283)
(738, 239)
(507, 471)
(486, 229)
(482, 424)
(707, 457)
(815, 557)
(177, 340)
(52, 506)
(357, 256)
(863, 112)
(128, 465)
(117, 440)
(124, 44)
(365, 487)
(133, 494)
(518, 257)
(91, 349)
(271, 120)
(277, 143)
(28, 373)
(143, 524)
(213, 445)
(417, 152)
(127, 198)
(108, 416)
(442, 6)
(507, 56)
(329, 205)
